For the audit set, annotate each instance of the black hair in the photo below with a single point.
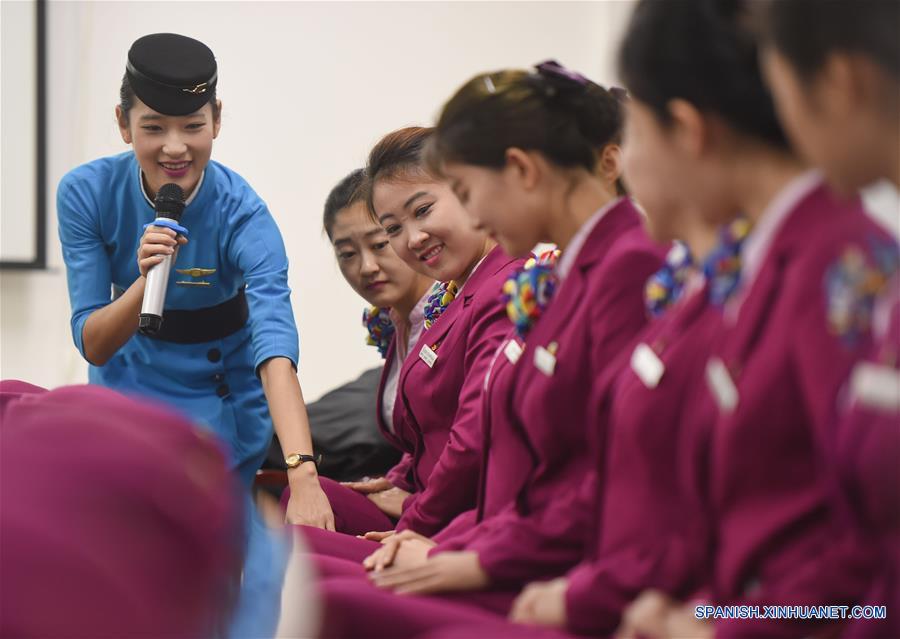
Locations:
(565, 117)
(127, 98)
(806, 31)
(398, 152)
(700, 51)
(350, 190)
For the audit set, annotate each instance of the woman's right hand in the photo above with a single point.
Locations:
(369, 486)
(157, 242)
(405, 549)
(390, 501)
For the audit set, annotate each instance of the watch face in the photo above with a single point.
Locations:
(292, 460)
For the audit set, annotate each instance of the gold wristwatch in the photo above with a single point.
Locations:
(295, 459)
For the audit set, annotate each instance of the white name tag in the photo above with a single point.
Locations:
(428, 356)
(647, 365)
(545, 361)
(876, 386)
(512, 351)
(720, 383)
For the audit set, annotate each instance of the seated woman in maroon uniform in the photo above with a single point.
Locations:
(396, 295)
(435, 418)
(834, 69)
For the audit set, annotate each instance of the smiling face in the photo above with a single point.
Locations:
(428, 227)
(169, 149)
(368, 262)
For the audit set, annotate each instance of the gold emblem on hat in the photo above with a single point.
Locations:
(195, 271)
(197, 89)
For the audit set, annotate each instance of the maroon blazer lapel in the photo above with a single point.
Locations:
(379, 400)
(758, 302)
(436, 338)
(556, 324)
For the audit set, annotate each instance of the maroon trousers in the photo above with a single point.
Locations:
(354, 513)
(354, 608)
(338, 545)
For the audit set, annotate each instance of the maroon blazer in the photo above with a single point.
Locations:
(868, 455)
(645, 528)
(401, 474)
(869, 435)
(531, 517)
(771, 383)
(513, 454)
(436, 416)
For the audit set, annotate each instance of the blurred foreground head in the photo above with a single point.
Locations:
(834, 69)
(118, 519)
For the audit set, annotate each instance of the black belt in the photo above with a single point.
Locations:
(204, 324)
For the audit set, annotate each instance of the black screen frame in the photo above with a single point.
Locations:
(39, 262)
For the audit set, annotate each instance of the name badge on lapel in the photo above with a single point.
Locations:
(876, 386)
(545, 359)
(512, 351)
(647, 365)
(428, 356)
(722, 386)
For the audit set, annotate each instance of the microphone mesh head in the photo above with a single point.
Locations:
(170, 201)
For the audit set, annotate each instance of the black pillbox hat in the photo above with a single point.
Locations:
(171, 73)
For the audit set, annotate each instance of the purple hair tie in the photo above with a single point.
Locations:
(553, 69)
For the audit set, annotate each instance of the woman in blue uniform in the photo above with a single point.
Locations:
(227, 351)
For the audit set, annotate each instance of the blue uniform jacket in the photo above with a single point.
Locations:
(233, 242)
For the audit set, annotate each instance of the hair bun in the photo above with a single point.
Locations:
(549, 109)
(555, 79)
(620, 94)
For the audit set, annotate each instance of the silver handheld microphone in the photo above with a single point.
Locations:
(169, 207)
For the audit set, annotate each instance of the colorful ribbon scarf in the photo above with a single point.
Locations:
(380, 327)
(853, 283)
(439, 298)
(528, 291)
(666, 286)
(722, 268)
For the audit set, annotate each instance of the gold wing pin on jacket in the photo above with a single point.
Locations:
(194, 272)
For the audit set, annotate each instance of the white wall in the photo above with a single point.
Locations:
(307, 88)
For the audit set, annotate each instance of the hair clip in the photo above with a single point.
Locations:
(489, 84)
